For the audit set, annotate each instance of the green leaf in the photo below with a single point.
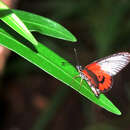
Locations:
(54, 65)
(7, 16)
(44, 26)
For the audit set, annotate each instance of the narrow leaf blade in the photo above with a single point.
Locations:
(44, 26)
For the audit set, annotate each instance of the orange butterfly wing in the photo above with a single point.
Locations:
(99, 78)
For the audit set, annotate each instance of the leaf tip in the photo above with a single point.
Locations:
(74, 39)
(118, 113)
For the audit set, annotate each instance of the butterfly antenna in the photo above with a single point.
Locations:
(76, 57)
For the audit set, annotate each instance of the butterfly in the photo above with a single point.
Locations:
(99, 74)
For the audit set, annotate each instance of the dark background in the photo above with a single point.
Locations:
(30, 99)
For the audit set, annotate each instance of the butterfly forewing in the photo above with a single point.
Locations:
(114, 63)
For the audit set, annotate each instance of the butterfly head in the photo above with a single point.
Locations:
(79, 68)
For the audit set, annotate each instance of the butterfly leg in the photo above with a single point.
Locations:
(81, 81)
(77, 76)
